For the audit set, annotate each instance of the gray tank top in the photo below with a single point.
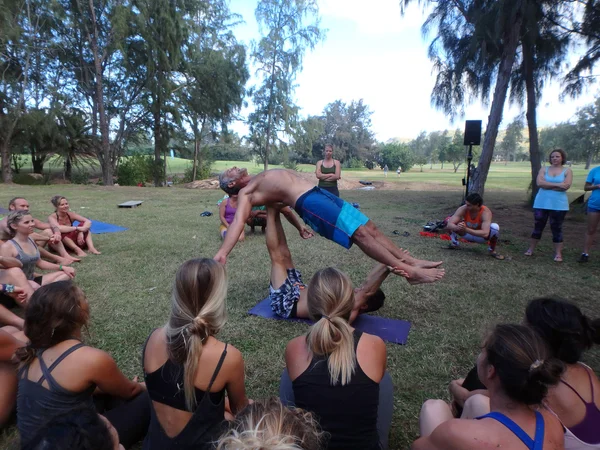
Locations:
(26, 259)
(36, 404)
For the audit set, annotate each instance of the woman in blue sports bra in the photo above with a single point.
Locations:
(517, 368)
(187, 369)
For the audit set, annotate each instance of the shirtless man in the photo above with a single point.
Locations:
(473, 222)
(289, 298)
(50, 235)
(328, 215)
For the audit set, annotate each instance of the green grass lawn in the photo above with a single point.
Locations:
(129, 285)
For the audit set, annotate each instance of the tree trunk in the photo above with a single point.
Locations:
(68, 168)
(534, 144)
(5, 154)
(511, 42)
(157, 144)
(195, 164)
(105, 161)
(589, 160)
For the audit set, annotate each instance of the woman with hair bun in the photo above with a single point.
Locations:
(517, 368)
(187, 369)
(269, 425)
(337, 372)
(576, 399)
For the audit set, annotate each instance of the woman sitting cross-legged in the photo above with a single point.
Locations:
(23, 248)
(576, 399)
(187, 369)
(58, 373)
(74, 237)
(517, 368)
(339, 373)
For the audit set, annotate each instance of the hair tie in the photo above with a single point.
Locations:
(326, 317)
(536, 364)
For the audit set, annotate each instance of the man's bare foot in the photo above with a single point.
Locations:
(422, 276)
(94, 251)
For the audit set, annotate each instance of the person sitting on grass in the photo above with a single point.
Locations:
(268, 424)
(79, 429)
(289, 299)
(227, 210)
(473, 222)
(338, 373)
(58, 373)
(327, 214)
(576, 399)
(23, 248)
(13, 289)
(187, 369)
(75, 238)
(10, 340)
(50, 235)
(517, 368)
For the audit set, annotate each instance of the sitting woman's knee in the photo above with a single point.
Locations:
(475, 406)
(433, 408)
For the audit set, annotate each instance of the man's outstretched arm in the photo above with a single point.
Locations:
(373, 282)
(292, 218)
(235, 229)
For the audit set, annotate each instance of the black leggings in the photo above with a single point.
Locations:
(129, 417)
(556, 222)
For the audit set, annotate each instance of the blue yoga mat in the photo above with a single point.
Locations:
(390, 330)
(102, 227)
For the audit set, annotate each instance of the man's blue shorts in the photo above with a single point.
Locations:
(330, 216)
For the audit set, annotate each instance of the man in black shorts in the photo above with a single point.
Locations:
(287, 291)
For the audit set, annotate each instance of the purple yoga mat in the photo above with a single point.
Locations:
(390, 330)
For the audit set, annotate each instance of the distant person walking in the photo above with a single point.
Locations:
(385, 170)
(328, 171)
(551, 202)
(399, 170)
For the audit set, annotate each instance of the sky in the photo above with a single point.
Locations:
(372, 52)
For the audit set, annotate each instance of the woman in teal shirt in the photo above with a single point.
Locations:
(592, 183)
(551, 202)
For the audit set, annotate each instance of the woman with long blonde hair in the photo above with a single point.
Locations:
(337, 372)
(187, 369)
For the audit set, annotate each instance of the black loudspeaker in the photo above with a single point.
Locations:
(472, 132)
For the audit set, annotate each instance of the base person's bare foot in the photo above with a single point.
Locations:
(94, 251)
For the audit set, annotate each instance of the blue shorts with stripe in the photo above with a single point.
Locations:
(330, 216)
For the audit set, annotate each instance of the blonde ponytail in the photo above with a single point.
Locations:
(197, 312)
(330, 301)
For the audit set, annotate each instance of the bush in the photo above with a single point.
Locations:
(291, 164)
(80, 177)
(353, 163)
(137, 169)
(203, 171)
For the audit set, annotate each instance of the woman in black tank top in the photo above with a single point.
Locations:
(58, 373)
(187, 370)
(338, 373)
